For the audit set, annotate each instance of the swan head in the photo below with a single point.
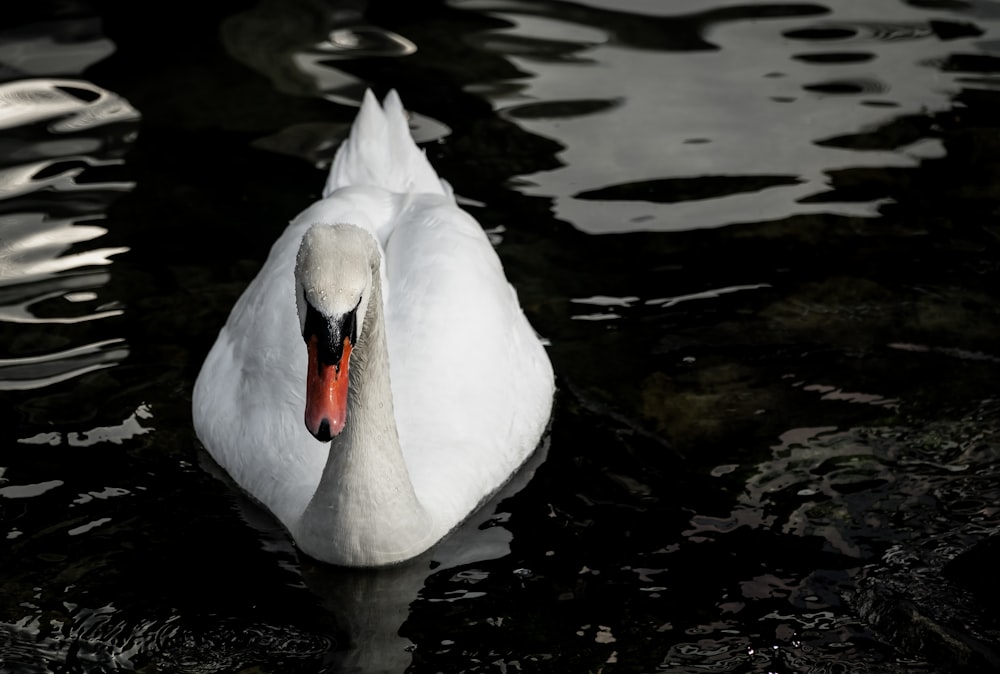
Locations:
(333, 280)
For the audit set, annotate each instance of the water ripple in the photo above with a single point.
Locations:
(835, 57)
(131, 427)
(848, 487)
(617, 307)
(106, 639)
(73, 105)
(34, 247)
(59, 174)
(280, 42)
(32, 372)
(861, 31)
(745, 91)
(66, 46)
(361, 41)
(674, 190)
(853, 86)
(561, 109)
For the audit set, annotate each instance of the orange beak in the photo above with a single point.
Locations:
(326, 393)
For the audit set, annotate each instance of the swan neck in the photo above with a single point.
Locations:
(365, 511)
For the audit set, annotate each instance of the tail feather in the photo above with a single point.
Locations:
(380, 151)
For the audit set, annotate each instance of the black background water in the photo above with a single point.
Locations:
(761, 240)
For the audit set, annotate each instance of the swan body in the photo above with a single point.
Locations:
(377, 380)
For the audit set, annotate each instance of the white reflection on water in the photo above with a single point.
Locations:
(734, 96)
(130, 428)
(85, 528)
(611, 303)
(28, 490)
(39, 371)
(75, 104)
(17, 301)
(705, 294)
(833, 393)
(32, 247)
(53, 191)
(614, 304)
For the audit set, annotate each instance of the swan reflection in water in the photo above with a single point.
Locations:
(370, 607)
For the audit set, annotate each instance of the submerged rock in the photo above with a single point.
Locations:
(939, 595)
(920, 611)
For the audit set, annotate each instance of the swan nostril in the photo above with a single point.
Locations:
(323, 432)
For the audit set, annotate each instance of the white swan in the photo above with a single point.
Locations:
(377, 380)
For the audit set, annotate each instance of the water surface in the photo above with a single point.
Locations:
(760, 238)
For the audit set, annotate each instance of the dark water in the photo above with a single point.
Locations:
(762, 240)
